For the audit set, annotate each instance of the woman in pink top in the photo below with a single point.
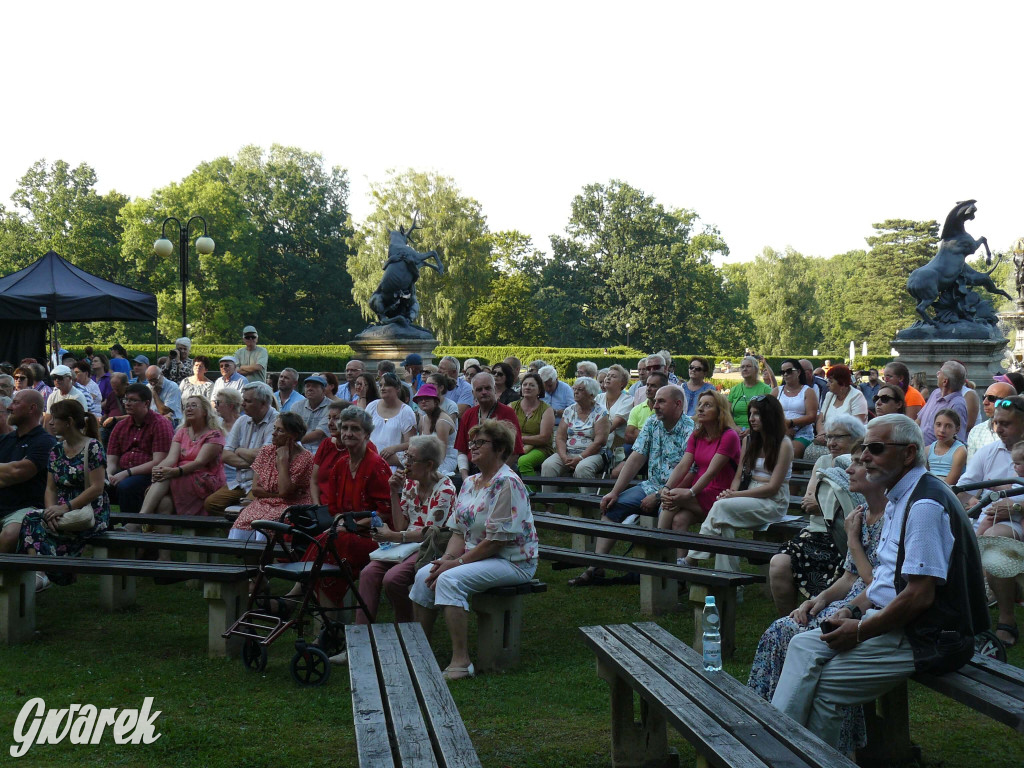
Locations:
(706, 469)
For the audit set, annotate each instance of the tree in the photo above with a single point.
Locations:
(448, 222)
(629, 259)
(838, 305)
(280, 222)
(782, 303)
(508, 314)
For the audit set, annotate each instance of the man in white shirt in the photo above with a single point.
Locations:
(984, 432)
(352, 370)
(63, 389)
(166, 395)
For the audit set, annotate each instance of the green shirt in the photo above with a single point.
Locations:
(740, 395)
(258, 356)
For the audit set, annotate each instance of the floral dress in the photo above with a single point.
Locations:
(264, 467)
(771, 650)
(499, 511)
(69, 476)
(580, 432)
(189, 491)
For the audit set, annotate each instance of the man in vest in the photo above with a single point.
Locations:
(922, 609)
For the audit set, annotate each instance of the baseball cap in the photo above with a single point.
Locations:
(412, 359)
(316, 379)
(61, 370)
(250, 329)
(141, 359)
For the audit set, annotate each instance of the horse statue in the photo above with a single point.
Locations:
(394, 301)
(948, 270)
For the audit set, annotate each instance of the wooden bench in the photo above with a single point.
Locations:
(702, 582)
(190, 525)
(225, 588)
(499, 623)
(727, 723)
(403, 712)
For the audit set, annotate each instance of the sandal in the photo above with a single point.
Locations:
(459, 673)
(1011, 630)
(587, 578)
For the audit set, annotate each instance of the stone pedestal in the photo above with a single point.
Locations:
(1015, 320)
(982, 357)
(375, 349)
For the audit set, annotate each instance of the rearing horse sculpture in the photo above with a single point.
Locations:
(949, 265)
(395, 301)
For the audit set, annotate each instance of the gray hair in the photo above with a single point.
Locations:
(853, 425)
(752, 360)
(548, 373)
(484, 374)
(454, 361)
(538, 364)
(292, 371)
(956, 374)
(659, 357)
(430, 448)
(7, 378)
(5, 401)
(184, 341)
(589, 384)
(118, 376)
(666, 355)
(359, 416)
(263, 391)
(232, 396)
(903, 429)
(588, 368)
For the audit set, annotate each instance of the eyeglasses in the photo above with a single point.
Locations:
(414, 460)
(478, 443)
(990, 398)
(837, 436)
(128, 401)
(884, 398)
(784, 371)
(877, 449)
(25, 378)
(1010, 404)
(696, 367)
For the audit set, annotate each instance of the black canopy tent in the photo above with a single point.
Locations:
(52, 291)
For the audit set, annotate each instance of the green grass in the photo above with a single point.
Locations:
(552, 711)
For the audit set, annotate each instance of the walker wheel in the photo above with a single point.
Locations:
(987, 643)
(254, 655)
(310, 666)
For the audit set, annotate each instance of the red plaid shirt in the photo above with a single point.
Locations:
(136, 444)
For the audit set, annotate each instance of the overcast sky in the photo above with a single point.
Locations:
(782, 124)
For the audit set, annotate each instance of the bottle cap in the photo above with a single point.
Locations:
(709, 600)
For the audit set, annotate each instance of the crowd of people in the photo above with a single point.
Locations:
(440, 453)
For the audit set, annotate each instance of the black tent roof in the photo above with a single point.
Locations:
(69, 295)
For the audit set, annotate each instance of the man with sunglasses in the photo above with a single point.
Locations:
(920, 612)
(984, 432)
(252, 359)
(993, 461)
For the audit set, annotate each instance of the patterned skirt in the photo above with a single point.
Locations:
(815, 561)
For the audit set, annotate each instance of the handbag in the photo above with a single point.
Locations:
(435, 544)
(395, 553)
(76, 520)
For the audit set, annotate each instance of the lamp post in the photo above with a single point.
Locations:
(627, 335)
(164, 247)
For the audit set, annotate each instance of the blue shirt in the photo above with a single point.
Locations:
(663, 448)
(462, 394)
(294, 398)
(121, 365)
(560, 399)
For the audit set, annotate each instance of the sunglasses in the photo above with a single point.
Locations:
(990, 398)
(1006, 404)
(877, 449)
(784, 371)
(884, 398)
(696, 367)
(251, 336)
(758, 398)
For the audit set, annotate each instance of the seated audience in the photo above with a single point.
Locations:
(197, 383)
(618, 406)
(229, 377)
(503, 380)
(889, 399)
(842, 397)
(24, 378)
(863, 530)
(536, 423)
(462, 393)
(947, 456)
(287, 395)
(581, 436)
(741, 394)
(421, 497)
(639, 414)
(63, 389)
(706, 469)
(1001, 552)
(799, 403)
(246, 435)
(281, 474)
(947, 394)
(136, 445)
(556, 393)
(699, 370)
(166, 395)
(83, 378)
(321, 486)
(393, 421)
(984, 433)
(808, 562)
(179, 366)
(444, 385)
(494, 542)
(352, 369)
(74, 481)
(365, 391)
(767, 460)
(313, 411)
(24, 459)
(331, 386)
(899, 375)
(434, 421)
(487, 407)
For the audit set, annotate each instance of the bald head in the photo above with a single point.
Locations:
(997, 391)
(26, 410)
(153, 374)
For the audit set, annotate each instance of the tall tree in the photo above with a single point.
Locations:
(838, 305)
(782, 303)
(448, 222)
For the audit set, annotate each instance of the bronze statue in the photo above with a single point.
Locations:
(394, 301)
(945, 283)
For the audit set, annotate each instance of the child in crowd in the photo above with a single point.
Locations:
(947, 456)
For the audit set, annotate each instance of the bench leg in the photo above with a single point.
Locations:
(636, 745)
(725, 599)
(17, 607)
(581, 542)
(658, 595)
(225, 601)
(195, 557)
(116, 590)
(888, 725)
(499, 621)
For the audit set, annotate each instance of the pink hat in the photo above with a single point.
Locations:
(1003, 378)
(427, 390)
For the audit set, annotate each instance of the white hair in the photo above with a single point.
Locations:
(666, 356)
(454, 361)
(659, 357)
(184, 341)
(589, 384)
(903, 429)
(588, 368)
(548, 373)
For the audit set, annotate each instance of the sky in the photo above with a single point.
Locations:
(781, 124)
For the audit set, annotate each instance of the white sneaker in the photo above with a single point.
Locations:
(631, 520)
(42, 582)
(340, 659)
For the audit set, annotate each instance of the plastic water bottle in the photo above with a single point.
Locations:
(376, 522)
(712, 640)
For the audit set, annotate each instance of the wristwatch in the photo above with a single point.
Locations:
(855, 611)
(1016, 508)
(461, 561)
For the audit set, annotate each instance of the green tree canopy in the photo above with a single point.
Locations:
(448, 222)
(782, 302)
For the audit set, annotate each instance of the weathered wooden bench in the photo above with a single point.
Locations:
(190, 525)
(225, 588)
(403, 712)
(701, 582)
(499, 624)
(727, 723)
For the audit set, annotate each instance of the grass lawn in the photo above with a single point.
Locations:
(552, 711)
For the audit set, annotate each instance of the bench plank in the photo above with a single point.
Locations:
(372, 743)
(650, 567)
(400, 701)
(447, 729)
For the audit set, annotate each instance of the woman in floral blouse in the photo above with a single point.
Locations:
(493, 543)
(420, 497)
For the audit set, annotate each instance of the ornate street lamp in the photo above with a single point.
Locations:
(164, 247)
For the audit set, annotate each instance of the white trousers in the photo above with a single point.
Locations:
(589, 467)
(817, 683)
(727, 515)
(457, 585)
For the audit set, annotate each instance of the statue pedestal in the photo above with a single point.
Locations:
(982, 357)
(375, 349)
(1015, 320)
